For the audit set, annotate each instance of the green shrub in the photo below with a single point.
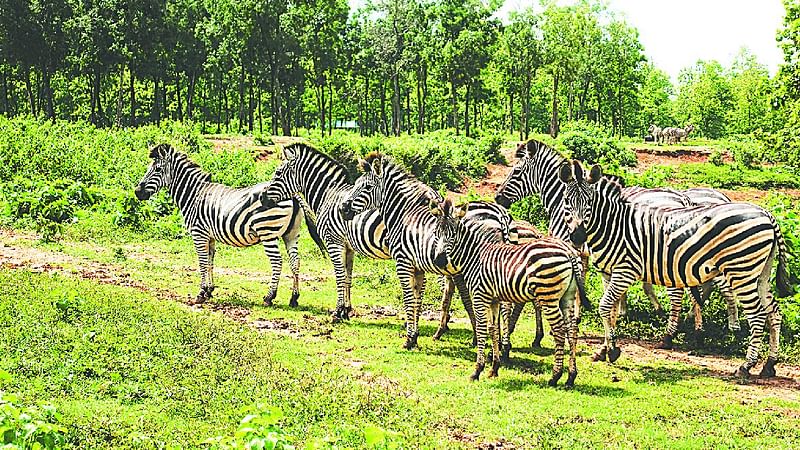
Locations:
(28, 427)
(259, 429)
(716, 157)
(747, 151)
(594, 145)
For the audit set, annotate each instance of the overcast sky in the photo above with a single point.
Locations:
(676, 33)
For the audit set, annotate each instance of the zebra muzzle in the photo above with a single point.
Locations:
(267, 202)
(578, 236)
(347, 211)
(502, 200)
(141, 194)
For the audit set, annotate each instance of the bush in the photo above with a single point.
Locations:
(716, 157)
(593, 145)
(747, 151)
(31, 427)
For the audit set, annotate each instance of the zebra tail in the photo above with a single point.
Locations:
(782, 279)
(311, 224)
(577, 272)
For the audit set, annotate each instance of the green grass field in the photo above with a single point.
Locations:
(134, 367)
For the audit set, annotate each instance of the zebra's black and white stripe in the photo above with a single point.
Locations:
(545, 271)
(322, 181)
(214, 212)
(678, 247)
(536, 171)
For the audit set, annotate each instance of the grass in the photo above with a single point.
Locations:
(128, 368)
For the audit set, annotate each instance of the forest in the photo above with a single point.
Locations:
(390, 66)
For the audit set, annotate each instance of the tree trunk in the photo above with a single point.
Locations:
(384, 119)
(190, 95)
(466, 111)
(48, 95)
(250, 104)
(6, 109)
(178, 98)
(396, 114)
(92, 102)
(132, 95)
(155, 112)
(120, 94)
(26, 73)
(241, 96)
(554, 119)
(98, 85)
(454, 103)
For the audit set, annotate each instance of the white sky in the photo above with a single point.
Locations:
(676, 33)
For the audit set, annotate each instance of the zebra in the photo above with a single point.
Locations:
(544, 271)
(323, 182)
(214, 212)
(402, 201)
(536, 171)
(679, 247)
(674, 135)
(657, 133)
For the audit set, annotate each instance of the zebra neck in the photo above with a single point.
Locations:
(186, 184)
(402, 197)
(320, 183)
(551, 189)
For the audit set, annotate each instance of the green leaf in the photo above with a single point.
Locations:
(374, 435)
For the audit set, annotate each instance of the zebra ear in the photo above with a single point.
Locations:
(434, 207)
(377, 166)
(363, 165)
(565, 173)
(460, 211)
(595, 174)
(522, 150)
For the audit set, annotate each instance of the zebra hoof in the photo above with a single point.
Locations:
(613, 354)
(600, 356)
(293, 301)
(571, 380)
(768, 371)
(269, 298)
(666, 343)
(554, 380)
(742, 373)
(537, 342)
(477, 374)
(474, 340)
(411, 342)
(734, 326)
(440, 332)
(505, 353)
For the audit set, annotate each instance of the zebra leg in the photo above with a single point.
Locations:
(494, 330)
(466, 300)
(651, 294)
(406, 275)
(349, 256)
(294, 264)
(676, 303)
(481, 305)
(338, 257)
(774, 319)
(447, 296)
(572, 324)
(537, 340)
(730, 303)
(618, 285)
(620, 306)
(747, 291)
(204, 246)
(552, 311)
(506, 311)
(275, 261)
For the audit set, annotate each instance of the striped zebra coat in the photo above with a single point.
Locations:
(213, 212)
(679, 247)
(402, 201)
(322, 181)
(536, 171)
(545, 271)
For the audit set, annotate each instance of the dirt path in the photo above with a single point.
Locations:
(15, 255)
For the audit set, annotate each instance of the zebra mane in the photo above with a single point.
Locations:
(530, 148)
(406, 178)
(305, 148)
(169, 152)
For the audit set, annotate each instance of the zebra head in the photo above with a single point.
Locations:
(651, 129)
(449, 229)
(578, 198)
(159, 174)
(520, 180)
(285, 180)
(367, 191)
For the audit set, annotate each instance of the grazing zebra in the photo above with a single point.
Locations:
(657, 133)
(679, 247)
(536, 171)
(323, 183)
(545, 271)
(402, 201)
(214, 212)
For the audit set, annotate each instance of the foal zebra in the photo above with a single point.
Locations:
(536, 171)
(545, 271)
(679, 247)
(215, 212)
(323, 182)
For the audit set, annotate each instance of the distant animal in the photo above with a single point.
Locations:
(656, 133)
(214, 212)
(675, 135)
(545, 271)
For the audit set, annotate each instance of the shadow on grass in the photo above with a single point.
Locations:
(517, 384)
(312, 309)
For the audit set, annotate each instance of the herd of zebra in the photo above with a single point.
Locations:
(694, 239)
(671, 135)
